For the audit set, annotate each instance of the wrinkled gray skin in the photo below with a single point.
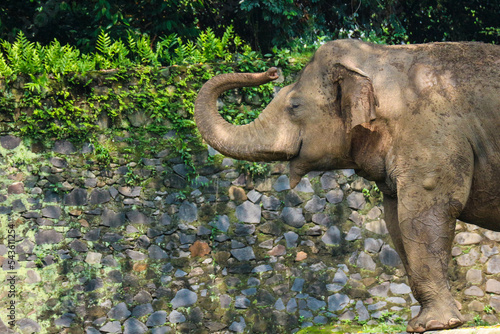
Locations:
(423, 121)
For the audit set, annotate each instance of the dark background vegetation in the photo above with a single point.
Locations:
(262, 23)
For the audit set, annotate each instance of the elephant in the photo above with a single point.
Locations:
(422, 121)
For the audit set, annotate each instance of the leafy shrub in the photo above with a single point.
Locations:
(57, 92)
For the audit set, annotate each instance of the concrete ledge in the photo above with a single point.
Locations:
(469, 330)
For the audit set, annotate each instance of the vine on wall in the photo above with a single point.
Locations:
(55, 92)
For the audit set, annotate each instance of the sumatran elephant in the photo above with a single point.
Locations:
(422, 121)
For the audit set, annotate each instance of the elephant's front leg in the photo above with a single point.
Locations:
(427, 219)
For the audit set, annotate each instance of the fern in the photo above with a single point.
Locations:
(164, 47)
(103, 44)
(121, 52)
(38, 83)
(181, 52)
(12, 56)
(207, 42)
(14, 52)
(113, 54)
(227, 38)
(132, 43)
(70, 57)
(193, 55)
(107, 50)
(228, 35)
(211, 47)
(59, 60)
(5, 70)
(145, 52)
(24, 51)
(27, 57)
(85, 64)
(31, 58)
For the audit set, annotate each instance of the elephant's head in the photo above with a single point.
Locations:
(308, 123)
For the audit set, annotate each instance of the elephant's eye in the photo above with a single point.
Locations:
(293, 108)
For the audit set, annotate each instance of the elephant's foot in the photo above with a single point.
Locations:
(434, 318)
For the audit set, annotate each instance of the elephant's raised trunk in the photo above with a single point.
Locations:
(268, 138)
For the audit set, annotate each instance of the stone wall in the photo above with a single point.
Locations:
(136, 247)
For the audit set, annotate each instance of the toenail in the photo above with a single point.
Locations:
(433, 324)
(453, 322)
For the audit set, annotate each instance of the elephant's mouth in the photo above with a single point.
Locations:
(278, 151)
(298, 147)
(298, 166)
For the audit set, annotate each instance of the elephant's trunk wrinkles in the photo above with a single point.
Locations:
(265, 139)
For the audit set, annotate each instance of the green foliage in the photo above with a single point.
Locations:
(172, 50)
(38, 62)
(478, 321)
(81, 22)
(111, 54)
(491, 31)
(298, 24)
(263, 23)
(210, 47)
(488, 309)
(253, 168)
(5, 70)
(239, 116)
(52, 112)
(282, 17)
(23, 56)
(61, 118)
(374, 192)
(349, 328)
(448, 20)
(141, 47)
(101, 153)
(384, 328)
(131, 178)
(121, 78)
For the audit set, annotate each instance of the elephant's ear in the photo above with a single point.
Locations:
(357, 98)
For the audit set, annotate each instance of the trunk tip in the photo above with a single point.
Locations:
(272, 73)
